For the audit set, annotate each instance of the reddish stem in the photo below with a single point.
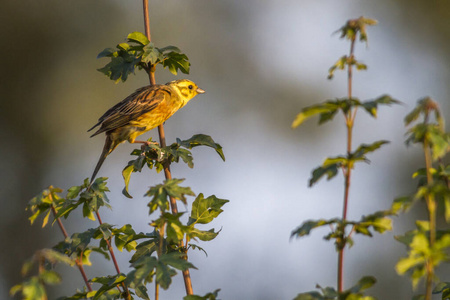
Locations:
(113, 257)
(78, 262)
(349, 119)
(162, 140)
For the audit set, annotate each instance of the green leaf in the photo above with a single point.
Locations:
(363, 284)
(378, 221)
(326, 111)
(338, 65)
(170, 49)
(403, 203)
(372, 106)
(328, 169)
(424, 105)
(31, 289)
(176, 61)
(175, 230)
(43, 203)
(108, 283)
(201, 140)
(151, 54)
(120, 67)
(357, 26)
(202, 234)
(161, 192)
(440, 287)
(364, 149)
(108, 52)
(176, 260)
(307, 226)
(138, 37)
(310, 296)
(50, 277)
(208, 296)
(146, 248)
(133, 166)
(204, 210)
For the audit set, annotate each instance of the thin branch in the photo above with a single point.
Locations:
(78, 261)
(113, 257)
(349, 118)
(162, 141)
(431, 205)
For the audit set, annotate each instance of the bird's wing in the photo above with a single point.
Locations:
(140, 102)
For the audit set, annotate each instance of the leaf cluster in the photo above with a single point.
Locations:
(328, 109)
(354, 26)
(154, 156)
(432, 133)
(427, 246)
(421, 253)
(329, 293)
(139, 52)
(377, 221)
(34, 287)
(146, 267)
(332, 165)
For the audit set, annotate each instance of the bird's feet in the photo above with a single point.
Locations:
(145, 143)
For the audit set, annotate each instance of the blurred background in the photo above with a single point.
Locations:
(260, 63)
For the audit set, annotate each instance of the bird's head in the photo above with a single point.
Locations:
(186, 89)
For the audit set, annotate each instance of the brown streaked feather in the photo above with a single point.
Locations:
(140, 102)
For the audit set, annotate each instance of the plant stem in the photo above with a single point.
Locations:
(349, 120)
(162, 141)
(78, 262)
(431, 205)
(113, 257)
(160, 252)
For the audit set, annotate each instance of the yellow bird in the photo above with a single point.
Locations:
(145, 109)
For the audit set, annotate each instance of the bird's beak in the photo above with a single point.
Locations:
(200, 91)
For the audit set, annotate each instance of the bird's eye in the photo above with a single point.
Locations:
(190, 87)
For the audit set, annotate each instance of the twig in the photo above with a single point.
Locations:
(113, 257)
(431, 205)
(162, 140)
(78, 261)
(349, 120)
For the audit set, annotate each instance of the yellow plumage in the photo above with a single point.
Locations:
(145, 109)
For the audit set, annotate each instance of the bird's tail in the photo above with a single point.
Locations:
(107, 148)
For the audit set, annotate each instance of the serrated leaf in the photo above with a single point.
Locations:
(403, 203)
(208, 296)
(146, 248)
(161, 192)
(307, 226)
(372, 106)
(202, 234)
(309, 296)
(176, 61)
(329, 170)
(31, 289)
(440, 287)
(204, 210)
(138, 37)
(170, 49)
(151, 54)
(363, 284)
(328, 109)
(50, 277)
(364, 149)
(202, 140)
(120, 67)
(108, 52)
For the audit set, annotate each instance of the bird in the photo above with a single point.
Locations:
(143, 110)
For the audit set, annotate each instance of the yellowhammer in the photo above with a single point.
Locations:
(145, 109)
